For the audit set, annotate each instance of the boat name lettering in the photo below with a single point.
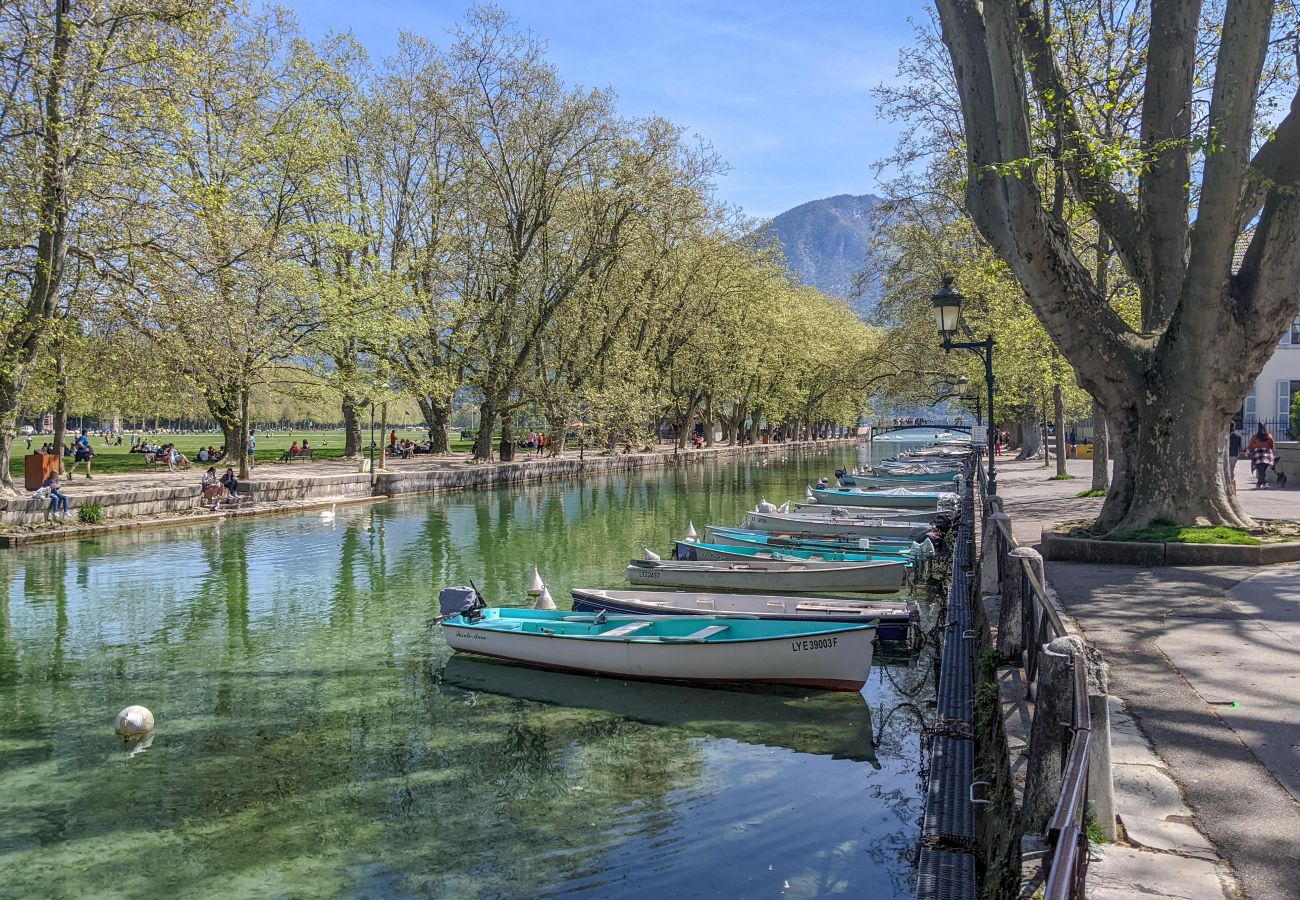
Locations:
(471, 635)
(813, 644)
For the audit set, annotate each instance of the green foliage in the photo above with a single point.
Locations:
(1161, 532)
(90, 514)
(1066, 477)
(1096, 492)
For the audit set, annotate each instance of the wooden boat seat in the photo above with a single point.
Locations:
(699, 636)
(624, 630)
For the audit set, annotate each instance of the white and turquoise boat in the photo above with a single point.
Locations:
(697, 550)
(885, 497)
(795, 524)
(694, 649)
(770, 575)
(748, 537)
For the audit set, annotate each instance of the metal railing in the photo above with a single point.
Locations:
(1066, 832)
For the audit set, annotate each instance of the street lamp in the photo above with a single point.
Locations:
(947, 318)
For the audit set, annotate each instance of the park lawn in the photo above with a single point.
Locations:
(1169, 533)
(270, 445)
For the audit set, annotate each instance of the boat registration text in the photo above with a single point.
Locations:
(813, 644)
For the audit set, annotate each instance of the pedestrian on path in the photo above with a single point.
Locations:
(1261, 456)
(81, 453)
(1234, 451)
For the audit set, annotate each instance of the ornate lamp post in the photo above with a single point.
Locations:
(947, 317)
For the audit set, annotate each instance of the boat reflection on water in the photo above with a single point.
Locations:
(816, 722)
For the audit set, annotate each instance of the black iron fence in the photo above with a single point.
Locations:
(1040, 624)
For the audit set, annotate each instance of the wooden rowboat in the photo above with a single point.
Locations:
(743, 537)
(767, 575)
(693, 649)
(895, 617)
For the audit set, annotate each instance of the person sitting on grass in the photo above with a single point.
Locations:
(212, 488)
(58, 500)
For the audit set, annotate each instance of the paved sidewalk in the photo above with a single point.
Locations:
(1207, 662)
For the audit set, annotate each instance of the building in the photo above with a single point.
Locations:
(1276, 386)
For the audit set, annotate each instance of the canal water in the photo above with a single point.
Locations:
(316, 739)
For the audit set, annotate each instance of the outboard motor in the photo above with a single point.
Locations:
(840, 473)
(460, 601)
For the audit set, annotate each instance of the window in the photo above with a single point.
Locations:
(1248, 408)
(1292, 336)
(1283, 400)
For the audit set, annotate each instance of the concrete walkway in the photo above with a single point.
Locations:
(1206, 661)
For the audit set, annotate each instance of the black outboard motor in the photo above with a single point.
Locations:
(840, 473)
(460, 601)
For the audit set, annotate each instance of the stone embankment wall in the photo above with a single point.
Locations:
(282, 490)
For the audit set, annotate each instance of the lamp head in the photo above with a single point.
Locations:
(947, 308)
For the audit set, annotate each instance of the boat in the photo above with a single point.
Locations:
(885, 497)
(695, 551)
(895, 618)
(747, 537)
(816, 525)
(899, 480)
(795, 576)
(832, 656)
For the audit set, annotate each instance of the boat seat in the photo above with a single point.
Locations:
(699, 636)
(624, 630)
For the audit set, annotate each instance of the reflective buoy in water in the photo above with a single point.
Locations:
(133, 721)
(691, 533)
(535, 587)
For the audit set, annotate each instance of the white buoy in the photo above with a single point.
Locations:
(535, 586)
(133, 721)
(784, 507)
(691, 533)
(544, 601)
(651, 555)
(808, 494)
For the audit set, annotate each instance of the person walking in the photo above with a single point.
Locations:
(1260, 451)
(1234, 451)
(81, 453)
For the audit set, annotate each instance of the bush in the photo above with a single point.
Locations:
(90, 513)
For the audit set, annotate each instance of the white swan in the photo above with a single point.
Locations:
(327, 515)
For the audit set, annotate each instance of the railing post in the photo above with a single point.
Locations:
(1051, 732)
(1016, 593)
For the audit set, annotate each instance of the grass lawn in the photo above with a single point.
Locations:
(1169, 533)
(110, 459)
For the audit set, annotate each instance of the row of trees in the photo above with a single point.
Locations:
(201, 206)
(1114, 183)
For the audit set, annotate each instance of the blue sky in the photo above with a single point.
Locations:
(781, 89)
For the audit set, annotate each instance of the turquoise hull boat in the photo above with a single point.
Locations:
(698, 649)
(745, 537)
(695, 550)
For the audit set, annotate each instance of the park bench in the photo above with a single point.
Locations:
(286, 456)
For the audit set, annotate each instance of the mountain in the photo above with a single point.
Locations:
(825, 242)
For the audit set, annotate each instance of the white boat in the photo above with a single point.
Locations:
(900, 498)
(876, 577)
(800, 525)
(894, 617)
(706, 649)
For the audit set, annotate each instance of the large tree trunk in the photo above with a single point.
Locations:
(352, 426)
(1179, 444)
(487, 420)
(1059, 397)
(437, 415)
(756, 418)
(245, 464)
(708, 421)
(1031, 437)
(1100, 449)
(61, 409)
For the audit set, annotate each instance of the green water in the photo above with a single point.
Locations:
(315, 739)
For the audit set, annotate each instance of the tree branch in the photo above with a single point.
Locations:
(1163, 183)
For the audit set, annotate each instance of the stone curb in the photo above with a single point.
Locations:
(1059, 547)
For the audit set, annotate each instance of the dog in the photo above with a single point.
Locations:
(1281, 476)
